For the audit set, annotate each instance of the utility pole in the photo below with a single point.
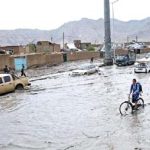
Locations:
(113, 27)
(127, 39)
(113, 14)
(136, 38)
(108, 60)
(63, 40)
(51, 39)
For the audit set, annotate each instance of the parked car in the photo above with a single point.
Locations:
(124, 60)
(9, 83)
(147, 55)
(142, 65)
(85, 70)
(142, 68)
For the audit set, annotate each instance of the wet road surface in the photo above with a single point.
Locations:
(60, 112)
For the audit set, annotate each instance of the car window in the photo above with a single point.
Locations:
(7, 79)
(86, 67)
(1, 81)
(91, 67)
(141, 65)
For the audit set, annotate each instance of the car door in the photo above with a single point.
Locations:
(8, 83)
(2, 91)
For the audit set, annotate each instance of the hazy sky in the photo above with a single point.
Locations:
(50, 14)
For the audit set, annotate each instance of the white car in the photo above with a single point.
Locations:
(147, 56)
(142, 68)
(85, 70)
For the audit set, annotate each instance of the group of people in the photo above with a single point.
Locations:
(8, 70)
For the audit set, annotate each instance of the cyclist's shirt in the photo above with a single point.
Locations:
(135, 90)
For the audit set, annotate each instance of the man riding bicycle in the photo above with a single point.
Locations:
(135, 90)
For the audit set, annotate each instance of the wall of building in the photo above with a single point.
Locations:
(11, 62)
(39, 59)
(35, 60)
(145, 50)
(82, 55)
(17, 50)
(45, 46)
(56, 47)
(121, 52)
(124, 52)
(22, 50)
(54, 59)
(6, 60)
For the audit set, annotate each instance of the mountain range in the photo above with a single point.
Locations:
(86, 30)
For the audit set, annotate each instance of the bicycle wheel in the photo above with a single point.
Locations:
(140, 102)
(125, 108)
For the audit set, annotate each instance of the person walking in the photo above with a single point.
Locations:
(92, 59)
(22, 71)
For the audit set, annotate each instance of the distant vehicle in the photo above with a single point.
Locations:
(9, 83)
(142, 66)
(147, 55)
(85, 70)
(124, 60)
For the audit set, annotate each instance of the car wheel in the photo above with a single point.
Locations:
(19, 87)
(146, 71)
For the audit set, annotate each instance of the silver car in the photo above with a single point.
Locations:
(85, 70)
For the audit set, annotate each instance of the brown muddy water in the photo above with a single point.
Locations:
(60, 112)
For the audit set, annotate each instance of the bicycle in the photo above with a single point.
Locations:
(127, 107)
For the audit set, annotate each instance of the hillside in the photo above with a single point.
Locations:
(87, 30)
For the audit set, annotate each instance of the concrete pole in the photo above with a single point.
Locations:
(108, 60)
(63, 40)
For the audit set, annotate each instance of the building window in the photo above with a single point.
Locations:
(1, 81)
(7, 79)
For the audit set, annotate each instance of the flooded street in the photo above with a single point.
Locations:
(60, 112)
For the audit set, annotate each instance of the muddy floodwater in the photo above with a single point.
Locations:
(60, 112)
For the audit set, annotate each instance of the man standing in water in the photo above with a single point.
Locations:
(92, 59)
(6, 69)
(135, 90)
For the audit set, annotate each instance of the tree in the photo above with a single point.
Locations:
(91, 48)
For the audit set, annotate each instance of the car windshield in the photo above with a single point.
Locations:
(141, 65)
(87, 67)
(120, 57)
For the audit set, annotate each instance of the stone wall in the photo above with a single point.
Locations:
(145, 50)
(35, 60)
(121, 52)
(6, 60)
(82, 55)
(40, 59)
